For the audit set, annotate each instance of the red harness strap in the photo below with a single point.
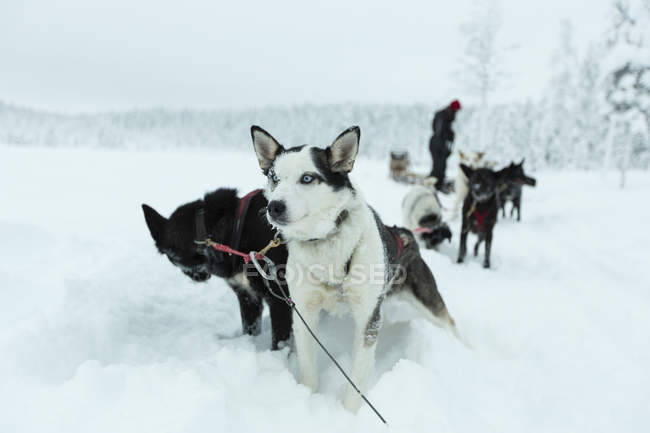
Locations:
(480, 217)
(238, 227)
(243, 203)
(226, 249)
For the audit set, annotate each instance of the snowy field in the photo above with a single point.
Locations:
(99, 333)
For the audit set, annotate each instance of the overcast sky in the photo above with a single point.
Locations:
(90, 55)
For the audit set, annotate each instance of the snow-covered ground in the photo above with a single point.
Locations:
(99, 333)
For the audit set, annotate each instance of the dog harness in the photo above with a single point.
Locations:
(201, 232)
(240, 217)
(400, 243)
(480, 217)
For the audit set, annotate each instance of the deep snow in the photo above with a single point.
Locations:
(99, 333)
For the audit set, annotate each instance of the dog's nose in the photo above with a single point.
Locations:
(277, 208)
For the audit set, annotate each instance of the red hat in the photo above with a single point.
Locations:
(455, 105)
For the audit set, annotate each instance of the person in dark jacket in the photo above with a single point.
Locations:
(440, 144)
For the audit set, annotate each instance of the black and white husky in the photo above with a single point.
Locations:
(340, 253)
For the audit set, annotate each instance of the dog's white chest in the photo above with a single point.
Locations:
(327, 261)
(335, 299)
(339, 271)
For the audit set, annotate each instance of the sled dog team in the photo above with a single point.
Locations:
(337, 254)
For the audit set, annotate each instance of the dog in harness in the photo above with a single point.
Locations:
(422, 214)
(344, 259)
(240, 223)
(480, 209)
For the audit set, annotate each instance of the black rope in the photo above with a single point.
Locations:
(291, 304)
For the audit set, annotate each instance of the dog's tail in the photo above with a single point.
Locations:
(450, 324)
(438, 316)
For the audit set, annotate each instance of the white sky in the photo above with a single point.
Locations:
(89, 55)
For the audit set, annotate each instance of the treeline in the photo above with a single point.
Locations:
(529, 130)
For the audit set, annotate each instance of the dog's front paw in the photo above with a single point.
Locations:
(459, 260)
(486, 264)
(281, 344)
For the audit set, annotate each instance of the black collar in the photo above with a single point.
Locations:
(200, 230)
(340, 219)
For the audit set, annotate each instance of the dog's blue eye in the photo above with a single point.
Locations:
(307, 178)
(275, 178)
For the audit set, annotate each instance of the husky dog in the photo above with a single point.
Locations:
(340, 253)
(239, 223)
(512, 188)
(480, 209)
(472, 160)
(422, 214)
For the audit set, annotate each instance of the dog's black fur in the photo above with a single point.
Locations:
(175, 236)
(418, 278)
(439, 231)
(480, 209)
(512, 189)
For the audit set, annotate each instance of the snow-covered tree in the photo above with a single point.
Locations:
(481, 68)
(590, 113)
(562, 96)
(628, 83)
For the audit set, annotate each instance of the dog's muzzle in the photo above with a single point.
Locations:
(530, 181)
(198, 276)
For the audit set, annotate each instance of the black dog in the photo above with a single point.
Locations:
(480, 209)
(240, 224)
(512, 188)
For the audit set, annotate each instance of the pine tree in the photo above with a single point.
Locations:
(482, 68)
(628, 82)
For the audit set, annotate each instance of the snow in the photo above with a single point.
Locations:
(99, 333)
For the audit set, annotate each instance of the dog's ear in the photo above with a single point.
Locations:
(466, 170)
(266, 147)
(479, 155)
(522, 162)
(156, 223)
(462, 155)
(343, 151)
